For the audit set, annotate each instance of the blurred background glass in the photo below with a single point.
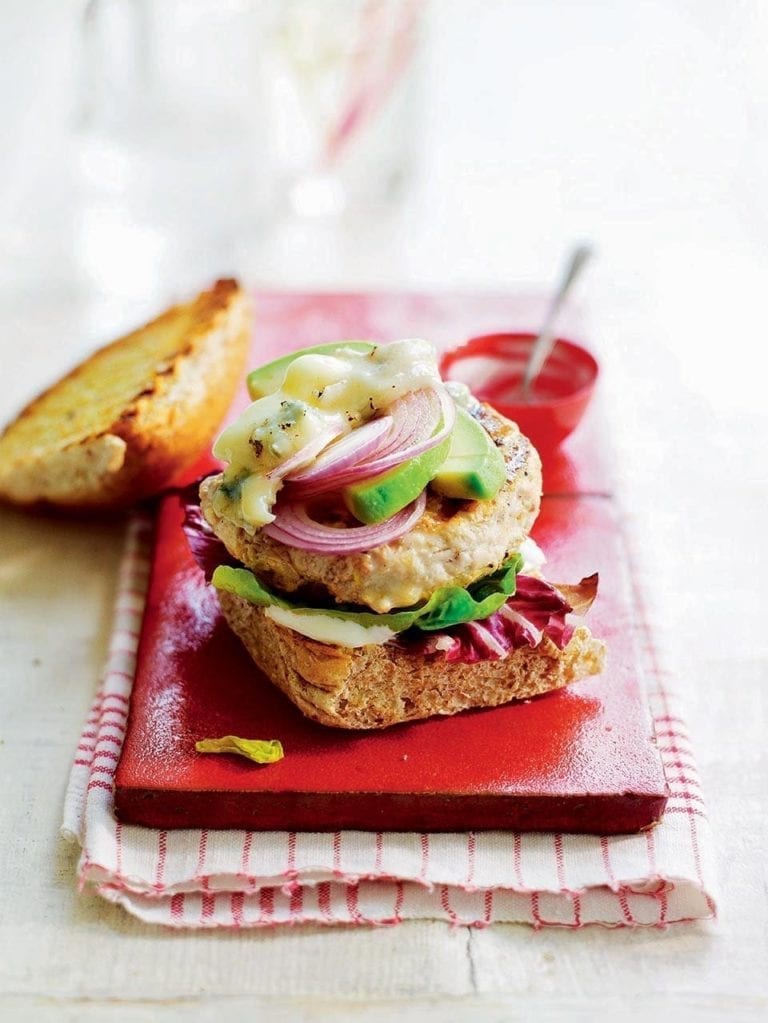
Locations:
(338, 82)
(202, 123)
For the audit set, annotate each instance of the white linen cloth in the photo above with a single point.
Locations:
(202, 878)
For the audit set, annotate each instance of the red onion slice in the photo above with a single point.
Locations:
(306, 454)
(295, 528)
(447, 411)
(345, 452)
(415, 419)
(381, 463)
(416, 416)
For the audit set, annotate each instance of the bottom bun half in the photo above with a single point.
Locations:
(378, 686)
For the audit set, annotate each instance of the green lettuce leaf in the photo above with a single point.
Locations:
(450, 605)
(262, 751)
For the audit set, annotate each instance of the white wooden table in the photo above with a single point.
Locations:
(676, 306)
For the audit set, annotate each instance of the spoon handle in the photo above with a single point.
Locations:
(543, 344)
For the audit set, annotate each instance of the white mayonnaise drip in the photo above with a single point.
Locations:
(327, 629)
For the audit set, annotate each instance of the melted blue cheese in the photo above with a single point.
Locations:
(318, 392)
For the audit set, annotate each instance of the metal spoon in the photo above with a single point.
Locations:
(544, 343)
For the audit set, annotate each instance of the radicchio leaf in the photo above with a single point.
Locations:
(208, 551)
(581, 597)
(537, 610)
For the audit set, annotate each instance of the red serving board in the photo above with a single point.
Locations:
(582, 759)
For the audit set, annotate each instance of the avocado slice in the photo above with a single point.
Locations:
(474, 469)
(377, 499)
(267, 379)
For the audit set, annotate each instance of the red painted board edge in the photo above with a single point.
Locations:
(627, 813)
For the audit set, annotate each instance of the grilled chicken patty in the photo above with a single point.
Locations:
(454, 542)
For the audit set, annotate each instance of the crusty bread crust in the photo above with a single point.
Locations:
(454, 542)
(125, 422)
(378, 686)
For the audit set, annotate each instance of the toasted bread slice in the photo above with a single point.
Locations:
(139, 411)
(378, 686)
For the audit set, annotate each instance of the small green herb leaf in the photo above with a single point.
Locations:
(261, 751)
